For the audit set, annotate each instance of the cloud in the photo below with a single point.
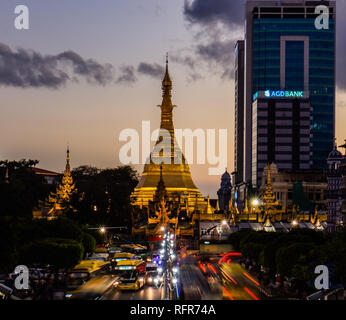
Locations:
(30, 69)
(219, 53)
(216, 25)
(153, 70)
(229, 12)
(127, 75)
(185, 60)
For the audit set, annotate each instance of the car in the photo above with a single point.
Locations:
(152, 273)
(112, 250)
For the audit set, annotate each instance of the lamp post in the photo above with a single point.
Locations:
(103, 232)
(294, 223)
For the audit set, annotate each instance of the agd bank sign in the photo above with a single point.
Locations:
(284, 94)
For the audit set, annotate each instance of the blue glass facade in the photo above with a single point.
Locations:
(294, 66)
(266, 71)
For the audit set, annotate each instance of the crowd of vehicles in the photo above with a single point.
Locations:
(124, 267)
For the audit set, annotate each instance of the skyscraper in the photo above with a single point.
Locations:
(280, 131)
(284, 51)
(239, 112)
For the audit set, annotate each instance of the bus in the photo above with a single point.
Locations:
(140, 251)
(121, 256)
(132, 274)
(86, 270)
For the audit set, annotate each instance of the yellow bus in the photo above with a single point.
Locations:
(122, 256)
(132, 274)
(86, 270)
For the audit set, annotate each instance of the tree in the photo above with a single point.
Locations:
(295, 260)
(23, 184)
(59, 253)
(103, 195)
(89, 243)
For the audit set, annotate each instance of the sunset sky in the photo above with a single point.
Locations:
(88, 102)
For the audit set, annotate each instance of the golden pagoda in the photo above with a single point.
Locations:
(209, 208)
(269, 199)
(161, 209)
(175, 170)
(59, 201)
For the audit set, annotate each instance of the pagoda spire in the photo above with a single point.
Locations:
(269, 198)
(67, 167)
(268, 174)
(67, 186)
(167, 105)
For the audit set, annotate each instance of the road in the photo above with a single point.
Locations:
(145, 293)
(237, 282)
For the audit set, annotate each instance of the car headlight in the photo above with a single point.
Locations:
(68, 295)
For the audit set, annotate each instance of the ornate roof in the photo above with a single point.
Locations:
(335, 154)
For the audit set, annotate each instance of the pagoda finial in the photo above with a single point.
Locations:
(268, 174)
(167, 82)
(67, 168)
(167, 105)
(68, 152)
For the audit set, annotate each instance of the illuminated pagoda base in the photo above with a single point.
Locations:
(268, 215)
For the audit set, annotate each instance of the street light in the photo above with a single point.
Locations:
(102, 229)
(224, 222)
(255, 202)
(294, 223)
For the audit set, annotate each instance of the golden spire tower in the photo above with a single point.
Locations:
(269, 198)
(66, 188)
(58, 201)
(175, 170)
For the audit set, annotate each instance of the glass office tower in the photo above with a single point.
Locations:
(285, 51)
